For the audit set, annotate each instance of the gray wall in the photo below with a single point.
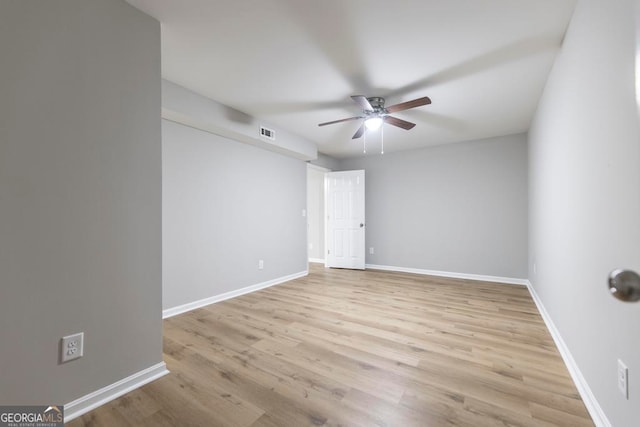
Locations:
(80, 196)
(584, 151)
(458, 208)
(226, 205)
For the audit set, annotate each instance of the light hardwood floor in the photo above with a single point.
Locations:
(358, 348)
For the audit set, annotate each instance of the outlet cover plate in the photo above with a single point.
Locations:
(71, 347)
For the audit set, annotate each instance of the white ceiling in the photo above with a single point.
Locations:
(295, 63)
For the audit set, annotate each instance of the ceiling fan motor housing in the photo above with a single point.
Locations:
(377, 103)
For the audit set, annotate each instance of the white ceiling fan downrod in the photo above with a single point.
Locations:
(364, 142)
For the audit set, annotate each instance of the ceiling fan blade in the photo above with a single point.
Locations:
(363, 102)
(399, 122)
(359, 132)
(409, 104)
(339, 121)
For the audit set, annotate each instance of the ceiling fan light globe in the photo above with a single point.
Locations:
(373, 123)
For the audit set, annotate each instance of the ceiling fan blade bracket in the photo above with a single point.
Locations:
(359, 132)
(340, 120)
(363, 102)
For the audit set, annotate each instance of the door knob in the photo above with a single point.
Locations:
(361, 225)
(625, 285)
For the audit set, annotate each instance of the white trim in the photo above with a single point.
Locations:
(106, 394)
(174, 311)
(594, 408)
(496, 279)
(317, 260)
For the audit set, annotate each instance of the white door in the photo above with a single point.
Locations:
(345, 219)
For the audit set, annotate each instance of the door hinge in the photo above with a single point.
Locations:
(328, 252)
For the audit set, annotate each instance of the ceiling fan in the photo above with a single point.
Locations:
(375, 114)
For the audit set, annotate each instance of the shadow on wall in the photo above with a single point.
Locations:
(236, 116)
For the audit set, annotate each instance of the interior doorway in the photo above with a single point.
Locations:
(316, 213)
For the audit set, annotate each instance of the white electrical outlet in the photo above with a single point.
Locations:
(623, 379)
(371, 250)
(260, 264)
(72, 347)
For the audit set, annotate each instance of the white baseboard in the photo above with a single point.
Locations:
(174, 311)
(496, 279)
(106, 394)
(317, 260)
(594, 408)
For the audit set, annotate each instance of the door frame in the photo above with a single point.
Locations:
(322, 214)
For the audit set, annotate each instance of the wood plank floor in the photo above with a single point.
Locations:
(358, 348)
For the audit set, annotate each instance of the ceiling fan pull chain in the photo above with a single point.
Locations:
(364, 142)
(382, 139)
